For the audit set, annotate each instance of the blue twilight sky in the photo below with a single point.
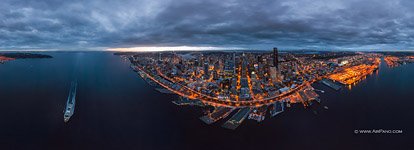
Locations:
(256, 24)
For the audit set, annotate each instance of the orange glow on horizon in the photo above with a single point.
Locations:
(172, 48)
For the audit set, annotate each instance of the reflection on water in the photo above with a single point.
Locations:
(117, 110)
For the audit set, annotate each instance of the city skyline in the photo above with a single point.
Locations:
(254, 83)
(128, 97)
(206, 25)
(206, 74)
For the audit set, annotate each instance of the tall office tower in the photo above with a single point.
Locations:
(234, 63)
(206, 72)
(275, 58)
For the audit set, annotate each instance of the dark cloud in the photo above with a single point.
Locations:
(320, 24)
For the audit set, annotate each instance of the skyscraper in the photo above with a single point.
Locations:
(206, 72)
(275, 58)
(234, 63)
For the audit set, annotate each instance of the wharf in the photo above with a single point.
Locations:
(331, 84)
(186, 101)
(237, 118)
(165, 91)
(217, 114)
(278, 108)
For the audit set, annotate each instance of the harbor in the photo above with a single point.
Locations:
(331, 84)
(142, 110)
(217, 114)
(238, 83)
(237, 119)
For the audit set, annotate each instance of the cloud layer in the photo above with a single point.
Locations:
(299, 24)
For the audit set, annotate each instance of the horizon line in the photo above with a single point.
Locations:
(190, 48)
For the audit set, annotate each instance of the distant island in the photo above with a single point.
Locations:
(24, 55)
(12, 56)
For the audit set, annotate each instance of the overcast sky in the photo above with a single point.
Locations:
(253, 24)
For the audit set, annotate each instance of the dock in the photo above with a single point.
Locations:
(165, 91)
(186, 101)
(312, 95)
(237, 118)
(217, 114)
(331, 84)
(258, 113)
(318, 100)
(278, 108)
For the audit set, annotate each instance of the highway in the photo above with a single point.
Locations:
(192, 94)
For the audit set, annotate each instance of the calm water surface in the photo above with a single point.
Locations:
(117, 110)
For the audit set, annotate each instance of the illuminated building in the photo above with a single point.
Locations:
(275, 58)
